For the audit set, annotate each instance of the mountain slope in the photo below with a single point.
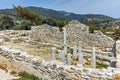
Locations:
(97, 19)
(53, 13)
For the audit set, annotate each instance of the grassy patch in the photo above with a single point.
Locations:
(100, 65)
(70, 51)
(23, 35)
(26, 76)
(13, 72)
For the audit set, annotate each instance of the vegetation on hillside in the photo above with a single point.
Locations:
(97, 19)
(30, 18)
(25, 19)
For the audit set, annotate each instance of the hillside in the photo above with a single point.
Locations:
(56, 14)
(97, 19)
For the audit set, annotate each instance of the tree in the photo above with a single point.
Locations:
(6, 22)
(28, 15)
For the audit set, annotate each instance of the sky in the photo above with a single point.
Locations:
(106, 7)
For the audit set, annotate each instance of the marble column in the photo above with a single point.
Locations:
(63, 56)
(65, 44)
(59, 53)
(69, 59)
(80, 58)
(53, 53)
(75, 51)
(93, 58)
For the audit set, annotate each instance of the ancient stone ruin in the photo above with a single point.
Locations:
(53, 55)
(76, 32)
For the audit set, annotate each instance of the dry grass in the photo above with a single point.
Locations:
(4, 67)
(42, 51)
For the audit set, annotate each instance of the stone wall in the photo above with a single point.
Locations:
(76, 33)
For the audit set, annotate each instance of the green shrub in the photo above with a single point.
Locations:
(23, 25)
(6, 22)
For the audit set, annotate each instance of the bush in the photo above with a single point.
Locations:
(6, 22)
(23, 25)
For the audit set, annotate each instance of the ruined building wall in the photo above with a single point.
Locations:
(76, 33)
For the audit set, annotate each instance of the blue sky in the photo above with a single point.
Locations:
(106, 7)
